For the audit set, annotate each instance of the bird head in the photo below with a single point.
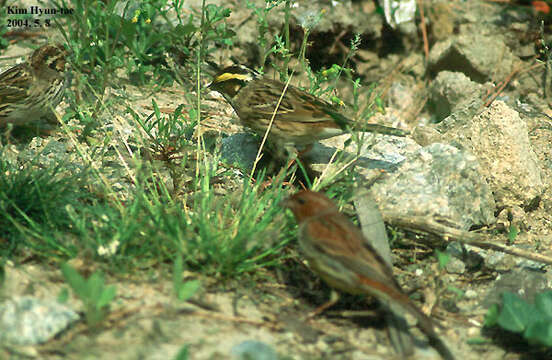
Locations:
(49, 56)
(229, 81)
(306, 204)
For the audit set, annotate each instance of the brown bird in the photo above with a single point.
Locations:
(301, 120)
(337, 251)
(31, 89)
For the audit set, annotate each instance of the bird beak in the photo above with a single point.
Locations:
(286, 203)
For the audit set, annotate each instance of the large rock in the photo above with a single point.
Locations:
(498, 138)
(438, 180)
(480, 57)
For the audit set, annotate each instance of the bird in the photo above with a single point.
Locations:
(301, 120)
(337, 251)
(33, 88)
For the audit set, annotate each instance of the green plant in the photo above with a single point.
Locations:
(183, 353)
(169, 137)
(95, 296)
(234, 234)
(443, 258)
(33, 201)
(183, 290)
(458, 292)
(137, 37)
(2, 275)
(3, 26)
(513, 232)
(532, 321)
(281, 44)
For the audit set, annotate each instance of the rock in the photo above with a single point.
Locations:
(29, 321)
(240, 149)
(251, 349)
(438, 180)
(481, 58)
(441, 16)
(512, 216)
(455, 266)
(450, 89)
(471, 294)
(377, 152)
(425, 135)
(498, 138)
(523, 282)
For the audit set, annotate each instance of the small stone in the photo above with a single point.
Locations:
(30, 321)
(455, 266)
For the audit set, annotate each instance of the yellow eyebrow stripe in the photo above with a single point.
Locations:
(230, 76)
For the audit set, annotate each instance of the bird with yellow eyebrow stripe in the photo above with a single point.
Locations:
(301, 118)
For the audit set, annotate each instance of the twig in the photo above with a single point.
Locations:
(448, 234)
(260, 151)
(424, 29)
(502, 86)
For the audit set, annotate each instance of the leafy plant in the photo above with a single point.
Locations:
(137, 37)
(513, 232)
(3, 28)
(281, 45)
(183, 290)
(443, 258)
(183, 353)
(92, 292)
(168, 138)
(532, 321)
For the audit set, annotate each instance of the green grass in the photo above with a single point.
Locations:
(33, 206)
(154, 195)
(138, 192)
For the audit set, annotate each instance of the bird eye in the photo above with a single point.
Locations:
(301, 201)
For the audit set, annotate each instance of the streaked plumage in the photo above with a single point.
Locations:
(29, 90)
(302, 119)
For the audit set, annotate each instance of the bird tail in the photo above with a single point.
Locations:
(381, 129)
(427, 326)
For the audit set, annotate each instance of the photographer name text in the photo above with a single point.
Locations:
(37, 10)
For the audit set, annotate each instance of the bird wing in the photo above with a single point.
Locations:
(337, 237)
(296, 104)
(13, 84)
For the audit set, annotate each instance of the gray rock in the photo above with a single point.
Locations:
(377, 152)
(498, 138)
(240, 149)
(480, 57)
(523, 282)
(438, 180)
(30, 321)
(47, 152)
(462, 114)
(426, 134)
(450, 89)
(251, 349)
(455, 249)
(455, 266)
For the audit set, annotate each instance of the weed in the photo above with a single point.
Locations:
(95, 296)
